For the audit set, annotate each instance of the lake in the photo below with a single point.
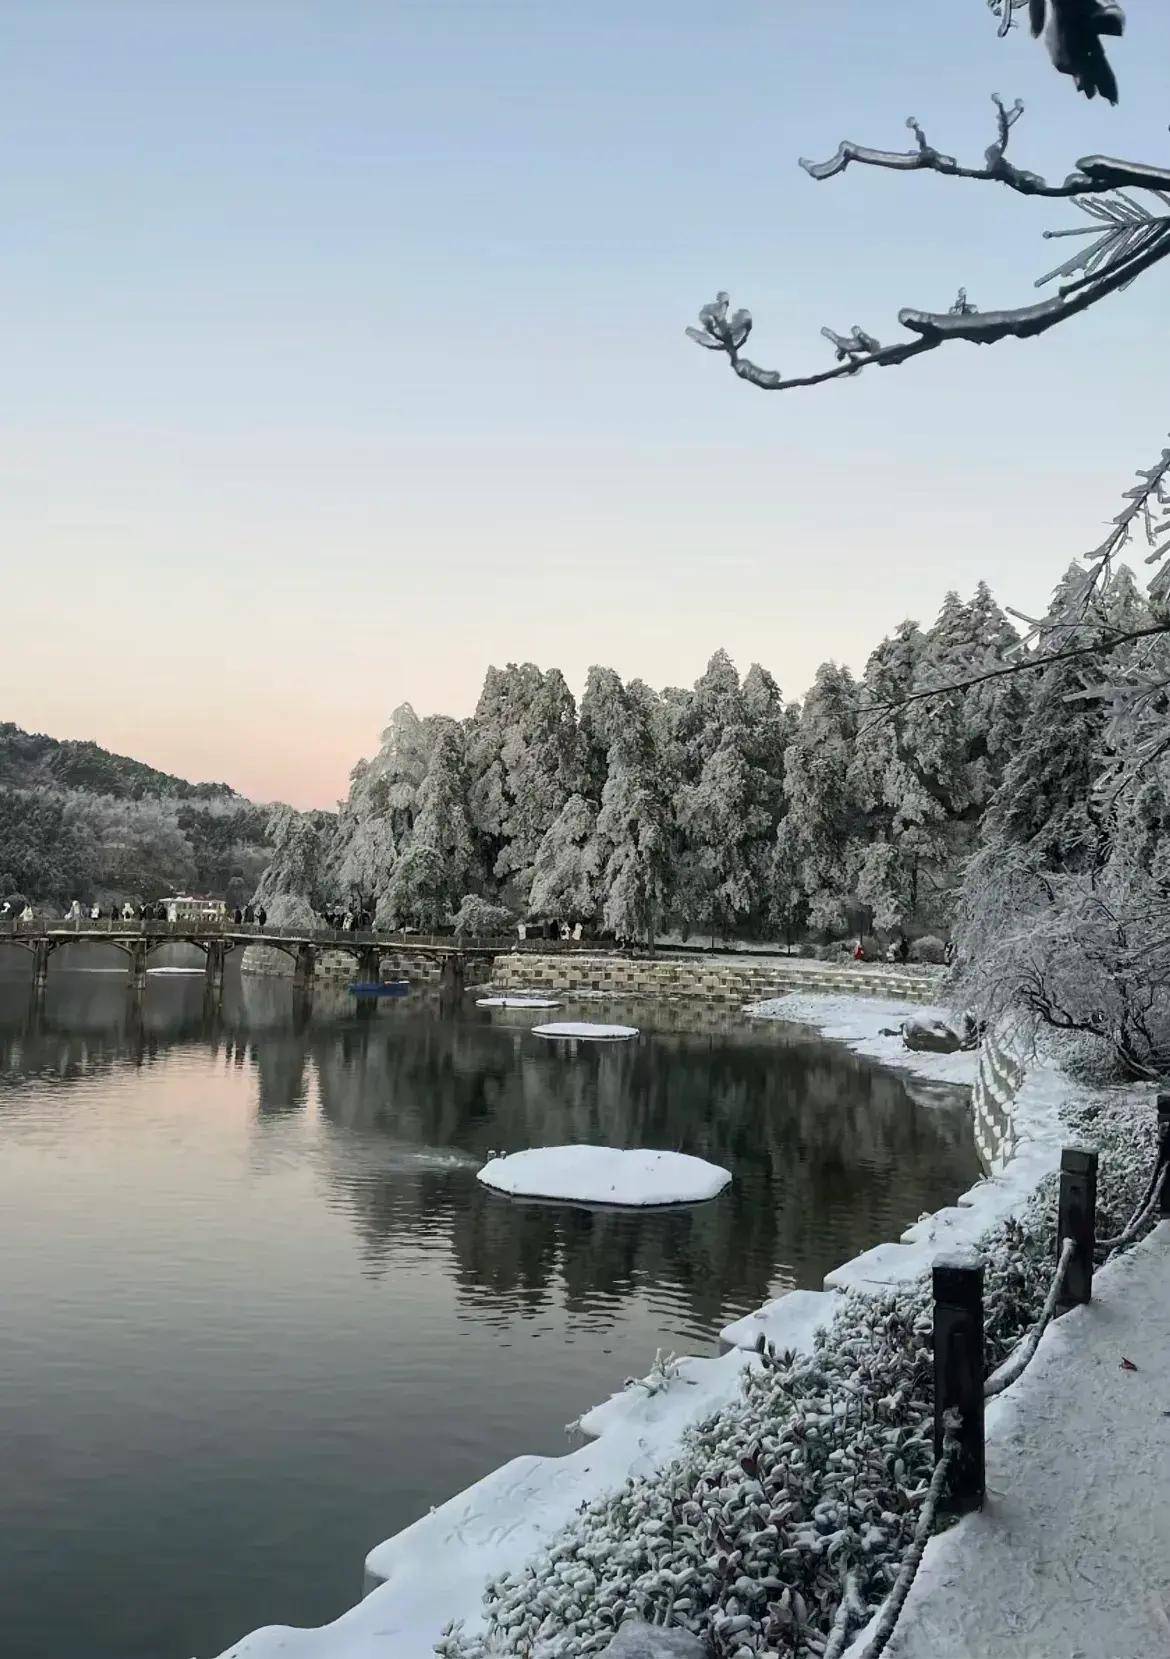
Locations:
(258, 1314)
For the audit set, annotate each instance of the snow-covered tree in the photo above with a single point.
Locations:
(634, 824)
(301, 846)
(568, 863)
(824, 816)
(419, 890)
(441, 865)
(524, 763)
(377, 820)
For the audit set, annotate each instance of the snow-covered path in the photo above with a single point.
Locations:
(1070, 1559)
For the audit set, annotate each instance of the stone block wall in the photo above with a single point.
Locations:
(713, 979)
(339, 965)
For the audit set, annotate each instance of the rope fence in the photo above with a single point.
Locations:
(1017, 1361)
(961, 1388)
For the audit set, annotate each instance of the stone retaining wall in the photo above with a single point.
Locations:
(706, 977)
(417, 966)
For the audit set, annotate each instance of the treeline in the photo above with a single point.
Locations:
(30, 760)
(58, 845)
(717, 809)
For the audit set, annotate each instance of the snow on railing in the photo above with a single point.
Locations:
(960, 1387)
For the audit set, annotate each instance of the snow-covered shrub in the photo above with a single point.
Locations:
(477, 918)
(928, 949)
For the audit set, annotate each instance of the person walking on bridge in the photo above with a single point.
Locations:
(261, 914)
(249, 914)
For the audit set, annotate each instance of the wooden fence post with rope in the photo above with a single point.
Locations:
(958, 1377)
(1076, 1219)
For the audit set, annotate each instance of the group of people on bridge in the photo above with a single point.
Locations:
(349, 921)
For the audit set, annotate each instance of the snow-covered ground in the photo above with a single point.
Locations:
(1070, 1557)
(435, 1571)
(635, 1176)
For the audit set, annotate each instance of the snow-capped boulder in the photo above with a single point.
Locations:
(605, 1175)
(926, 1034)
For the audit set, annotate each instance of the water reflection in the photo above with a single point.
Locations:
(829, 1152)
(259, 1313)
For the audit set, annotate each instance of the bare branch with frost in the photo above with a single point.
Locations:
(1129, 238)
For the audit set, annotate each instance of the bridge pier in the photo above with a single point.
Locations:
(370, 965)
(306, 963)
(138, 963)
(42, 950)
(215, 962)
(302, 1004)
(451, 974)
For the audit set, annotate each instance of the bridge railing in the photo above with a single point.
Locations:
(67, 928)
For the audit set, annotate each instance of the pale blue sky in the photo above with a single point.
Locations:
(345, 351)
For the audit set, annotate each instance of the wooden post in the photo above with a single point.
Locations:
(1164, 1151)
(1077, 1220)
(958, 1375)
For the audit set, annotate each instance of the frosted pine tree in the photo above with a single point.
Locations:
(291, 886)
(376, 821)
(542, 769)
(565, 883)
(727, 744)
(901, 841)
(440, 866)
(824, 815)
(633, 826)
(524, 764)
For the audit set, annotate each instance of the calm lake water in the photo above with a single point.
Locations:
(258, 1314)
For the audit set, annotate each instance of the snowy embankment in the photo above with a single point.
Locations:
(634, 1177)
(436, 1570)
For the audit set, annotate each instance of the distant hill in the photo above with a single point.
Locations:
(30, 760)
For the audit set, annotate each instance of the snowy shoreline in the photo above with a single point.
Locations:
(435, 1571)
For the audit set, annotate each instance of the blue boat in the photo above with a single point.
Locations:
(380, 987)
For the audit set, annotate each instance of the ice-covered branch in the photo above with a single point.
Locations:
(860, 350)
(1128, 238)
(1110, 641)
(1094, 175)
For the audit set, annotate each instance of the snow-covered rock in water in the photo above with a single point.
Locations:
(516, 1002)
(636, 1640)
(605, 1175)
(927, 1035)
(585, 1028)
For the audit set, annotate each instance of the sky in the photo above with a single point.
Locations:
(344, 354)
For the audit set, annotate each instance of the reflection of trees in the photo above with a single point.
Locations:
(829, 1153)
